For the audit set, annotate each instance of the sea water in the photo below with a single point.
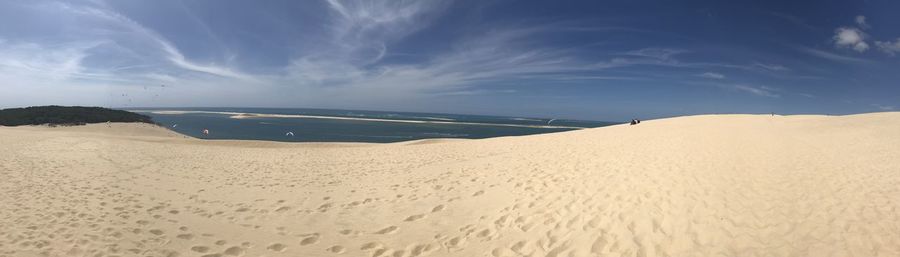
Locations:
(326, 125)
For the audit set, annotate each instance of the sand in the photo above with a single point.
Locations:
(713, 185)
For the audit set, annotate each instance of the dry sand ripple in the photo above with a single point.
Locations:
(725, 185)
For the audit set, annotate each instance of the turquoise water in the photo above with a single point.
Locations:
(325, 125)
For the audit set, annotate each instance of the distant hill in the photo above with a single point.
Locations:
(66, 116)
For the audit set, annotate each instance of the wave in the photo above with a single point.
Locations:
(434, 118)
(445, 134)
(526, 119)
(373, 136)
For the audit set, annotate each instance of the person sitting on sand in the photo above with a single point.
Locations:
(633, 121)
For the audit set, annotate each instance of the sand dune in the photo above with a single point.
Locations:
(713, 185)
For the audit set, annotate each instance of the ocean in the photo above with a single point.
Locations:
(327, 125)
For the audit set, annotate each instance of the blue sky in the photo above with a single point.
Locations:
(605, 60)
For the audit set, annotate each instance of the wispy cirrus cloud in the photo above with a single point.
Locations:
(771, 67)
(759, 91)
(113, 32)
(711, 75)
(172, 54)
(830, 55)
(361, 52)
(656, 53)
(796, 21)
(743, 88)
(884, 107)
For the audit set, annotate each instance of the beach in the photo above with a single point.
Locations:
(707, 185)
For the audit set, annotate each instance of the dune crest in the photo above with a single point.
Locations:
(710, 185)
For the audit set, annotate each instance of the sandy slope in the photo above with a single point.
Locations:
(726, 185)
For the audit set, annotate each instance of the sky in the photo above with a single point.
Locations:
(598, 60)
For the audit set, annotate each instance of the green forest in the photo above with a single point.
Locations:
(66, 116)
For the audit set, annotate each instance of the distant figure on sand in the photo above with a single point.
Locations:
(633, 122)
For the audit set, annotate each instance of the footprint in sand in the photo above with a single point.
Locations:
(438, 208)
(455, 242)
(485, 233)
(415, 217)
(388, 230)
(520, 247)
(278, 247)
(200, 249)
(349, 232)
(379, 252)
(371, 245)
(234, 251)
(498, 252)
(337, 249)
(422, 249)
(309, 240)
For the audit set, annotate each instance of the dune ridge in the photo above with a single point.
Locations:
(708, 185)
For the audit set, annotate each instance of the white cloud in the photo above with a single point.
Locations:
(850, 37)
(888, 47)
(855, 38)
(712, 75)
(861, 21)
